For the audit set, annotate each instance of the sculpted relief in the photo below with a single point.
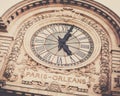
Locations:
(89, 75)
(62, 50)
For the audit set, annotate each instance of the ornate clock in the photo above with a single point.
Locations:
(61, 48)
(60, 44)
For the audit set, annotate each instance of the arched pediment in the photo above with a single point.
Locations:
(26, 6)
(60, 47)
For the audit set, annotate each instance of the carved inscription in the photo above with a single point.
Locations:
(53, 77)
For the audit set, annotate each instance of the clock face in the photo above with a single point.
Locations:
(62, 45)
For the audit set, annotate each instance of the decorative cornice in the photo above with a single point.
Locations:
(101, 10)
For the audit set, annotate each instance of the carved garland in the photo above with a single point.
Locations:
(8, 74)
(14, 55)
(104, 64)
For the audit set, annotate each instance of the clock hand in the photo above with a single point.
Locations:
(60, 43)
(64, 46)
(64, 39)
(67, 35)
(66, 49)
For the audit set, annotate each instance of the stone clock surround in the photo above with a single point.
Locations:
(108, 15)
(12, 16)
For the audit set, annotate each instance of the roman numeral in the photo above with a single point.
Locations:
(82, 38)
(40, 49)
(53, 28)
(81, 54)
(72, 60)
(85, 46)
(47, 56)
(59, 60)
(39, 40)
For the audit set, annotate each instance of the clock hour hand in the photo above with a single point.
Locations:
(64, 46)
(60, 45)
(66, 49)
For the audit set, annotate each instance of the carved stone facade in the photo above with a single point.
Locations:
(23, 74)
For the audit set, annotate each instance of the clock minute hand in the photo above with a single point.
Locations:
(62, 42)
(67, 35)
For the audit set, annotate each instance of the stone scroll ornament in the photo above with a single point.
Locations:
(104, 59)
(9, 73)
(104, 66)
(104, 77)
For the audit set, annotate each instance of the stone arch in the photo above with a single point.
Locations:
(24, 10)
(24, 7)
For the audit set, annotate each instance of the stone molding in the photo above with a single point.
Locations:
(112, 20)
(101, 10)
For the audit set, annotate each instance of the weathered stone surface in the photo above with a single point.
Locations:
(25, 73)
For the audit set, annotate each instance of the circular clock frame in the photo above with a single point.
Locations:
(62, 47)
(64, 20)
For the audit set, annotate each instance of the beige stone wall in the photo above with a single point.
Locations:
(22, 71)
